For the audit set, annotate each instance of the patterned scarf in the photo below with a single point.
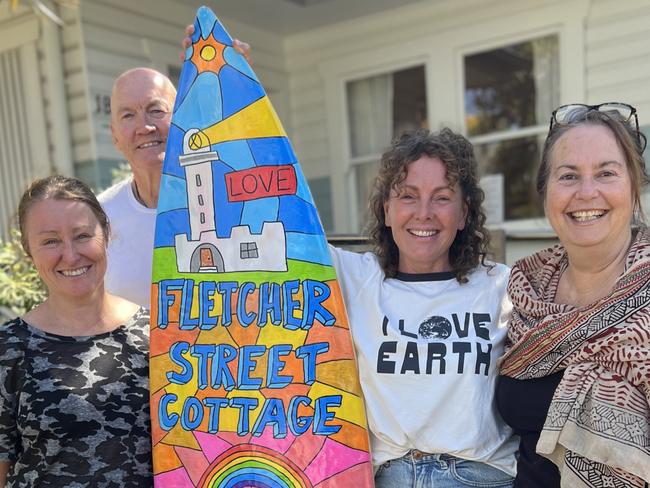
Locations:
(597, 429)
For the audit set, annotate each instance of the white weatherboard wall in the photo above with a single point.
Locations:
(604, 51)
(436, 34)
(604, 56)
(48, 60)
(617, 58)
(123, 34)
(617, 54)
(34, 140)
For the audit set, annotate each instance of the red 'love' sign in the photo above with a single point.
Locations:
(260, 182)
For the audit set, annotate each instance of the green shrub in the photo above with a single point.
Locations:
(21, 289)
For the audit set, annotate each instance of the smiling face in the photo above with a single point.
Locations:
(424, 214)
(141, 109)
(68, 247)
(589, 198)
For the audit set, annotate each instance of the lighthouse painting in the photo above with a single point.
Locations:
(204, 251)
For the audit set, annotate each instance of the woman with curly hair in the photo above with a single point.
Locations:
(427, 318)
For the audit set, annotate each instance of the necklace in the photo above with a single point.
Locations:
(136, 194)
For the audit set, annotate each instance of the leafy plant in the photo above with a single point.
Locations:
(21, 289)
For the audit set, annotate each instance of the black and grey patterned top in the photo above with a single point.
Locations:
(74, 411)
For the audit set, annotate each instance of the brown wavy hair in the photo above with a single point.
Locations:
(59, 187)
(457, 154)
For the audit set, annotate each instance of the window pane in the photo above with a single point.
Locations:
(380, 108)
(383, 106)
(370, 114)
(517, 161)
(512, 87)
(409, 101)
(365, 175)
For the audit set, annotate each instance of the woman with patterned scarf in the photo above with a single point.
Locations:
(575, 381)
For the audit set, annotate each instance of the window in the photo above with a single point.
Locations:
(201, 200)
(198, 180)
(510, 93)
(379, 108)
(248, 250)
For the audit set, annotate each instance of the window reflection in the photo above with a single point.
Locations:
(517, 160)
(510, 93)
(512, 87)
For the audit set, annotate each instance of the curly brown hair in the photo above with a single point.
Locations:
(457, 154)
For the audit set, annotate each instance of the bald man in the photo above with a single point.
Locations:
(142, 101)
(141, 108)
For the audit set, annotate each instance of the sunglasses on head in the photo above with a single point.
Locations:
(567, 114)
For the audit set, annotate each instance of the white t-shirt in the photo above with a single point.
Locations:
(427, 353)
(130, 248)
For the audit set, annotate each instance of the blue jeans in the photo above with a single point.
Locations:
(419, 470)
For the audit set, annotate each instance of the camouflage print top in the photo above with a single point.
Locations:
(74, 411)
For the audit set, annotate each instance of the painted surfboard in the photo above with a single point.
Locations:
(253, 375)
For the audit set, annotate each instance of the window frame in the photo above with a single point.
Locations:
(247, 249)
(513, 134)
(441, 50)
(355, 161)
(520, 133)
(566, 24)
(337, 74)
